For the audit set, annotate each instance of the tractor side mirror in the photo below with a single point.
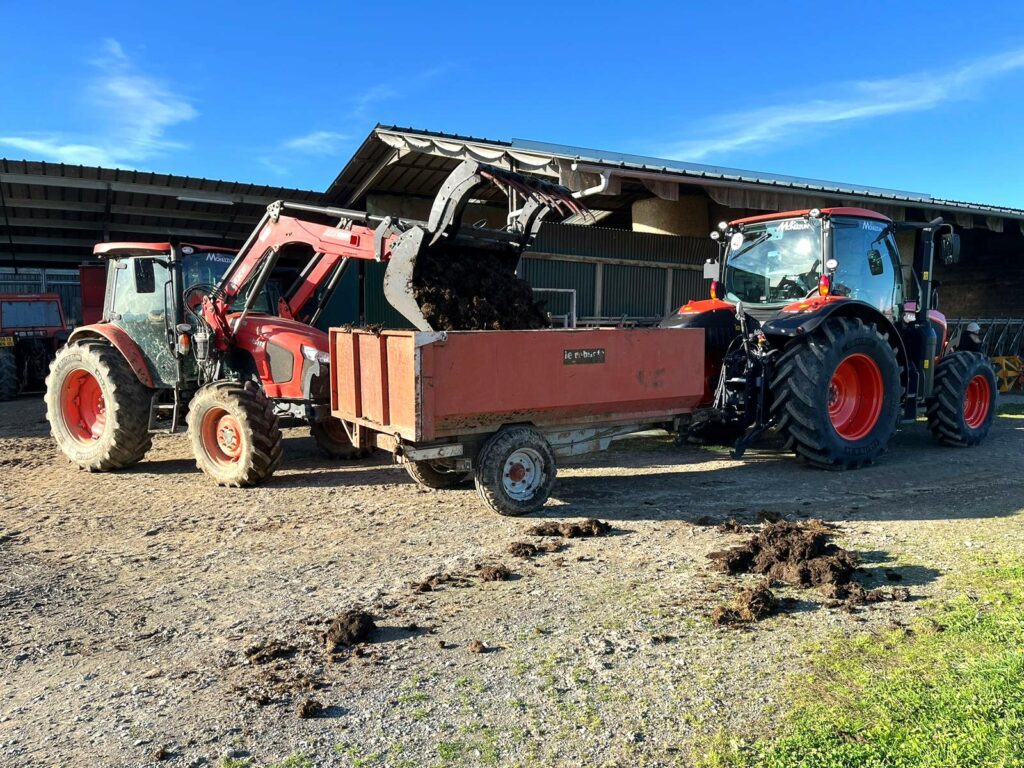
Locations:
(875, 263)
(949, 246)
(145, 278)
(710, 269)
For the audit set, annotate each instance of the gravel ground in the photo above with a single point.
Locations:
(150, 618)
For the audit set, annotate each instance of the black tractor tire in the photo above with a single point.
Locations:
(963, 402)
(8, 374)
(515, 471)
(431, 474)
(97, 408)
(333, 441)
(235, 435)
(836, 394)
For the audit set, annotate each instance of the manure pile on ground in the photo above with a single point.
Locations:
(799, 555)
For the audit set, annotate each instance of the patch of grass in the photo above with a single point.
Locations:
(947, 692)
(235, 762)
(417, 697)
(1010, 409)
(294, 760)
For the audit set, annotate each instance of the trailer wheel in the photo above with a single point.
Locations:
(961, 410)
(431, 473)
(234, 432)
(836, 395)
(333, 441)
(8, 374)
(97, 408)
(515, 471)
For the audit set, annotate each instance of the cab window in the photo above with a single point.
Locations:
(139, 289)
(867, 262)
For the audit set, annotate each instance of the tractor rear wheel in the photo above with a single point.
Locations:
(963, 403)
(97, 408)
(836, 394)
(333, 441)
(431, 473)
(8, 374)
(235, 435)
(515, 471)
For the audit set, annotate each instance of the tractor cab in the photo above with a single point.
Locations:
(778, 262)
(146, 283)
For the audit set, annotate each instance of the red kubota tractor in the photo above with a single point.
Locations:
(32, 327)
(225, 342)
(808, 330)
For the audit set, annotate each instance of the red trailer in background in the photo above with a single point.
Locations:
(502, 406)
(92, 278)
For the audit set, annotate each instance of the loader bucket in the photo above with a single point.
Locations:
(423, 250)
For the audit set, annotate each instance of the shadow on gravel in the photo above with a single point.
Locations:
(915, 480)
(394, 634)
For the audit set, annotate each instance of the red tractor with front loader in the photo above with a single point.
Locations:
(224, 342)
(812, 329)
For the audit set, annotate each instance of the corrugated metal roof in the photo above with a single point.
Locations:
(53, 212)
(378, 162)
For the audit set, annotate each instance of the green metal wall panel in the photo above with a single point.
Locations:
(623, 244)
(343, 308)
(688, 284)
(378, 310)
(542, 273)
(633, 291)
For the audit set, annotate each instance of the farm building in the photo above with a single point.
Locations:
(637, 257)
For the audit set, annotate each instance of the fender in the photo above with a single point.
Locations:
(803, 317)
(122, 342)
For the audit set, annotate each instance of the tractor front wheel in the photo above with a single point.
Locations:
(432, 473)
(963, 403)
(97, 408)
(515, 471)
(235, 435)
(8, 374)
(333, 441)
(836, 395)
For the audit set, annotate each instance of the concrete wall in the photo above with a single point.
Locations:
(687, 216)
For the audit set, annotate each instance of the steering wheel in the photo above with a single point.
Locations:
(789, 288)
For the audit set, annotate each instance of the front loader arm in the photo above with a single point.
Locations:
(330, 245)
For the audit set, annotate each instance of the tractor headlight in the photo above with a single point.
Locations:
(315, 355)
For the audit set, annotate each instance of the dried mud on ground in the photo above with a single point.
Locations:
(342, 613)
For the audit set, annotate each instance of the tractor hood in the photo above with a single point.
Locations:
(281, 331)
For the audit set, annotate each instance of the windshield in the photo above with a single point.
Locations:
(24, 313)
(774, 262)
(207, 268)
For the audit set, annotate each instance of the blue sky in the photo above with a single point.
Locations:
(924, 97)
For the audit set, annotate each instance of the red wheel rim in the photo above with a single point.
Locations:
(82, 406)
(977, 401)
(855, 397)
(222, 436)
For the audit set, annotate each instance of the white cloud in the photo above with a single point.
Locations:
(317, 142)
(853, 101)
(363, 102)
(136, 112)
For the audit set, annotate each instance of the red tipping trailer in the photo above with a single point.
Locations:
(501, 406)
